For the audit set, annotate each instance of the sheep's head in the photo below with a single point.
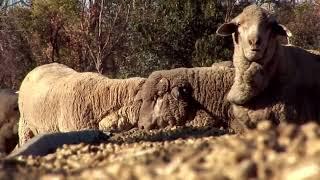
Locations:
(254, 31)
(164, 103)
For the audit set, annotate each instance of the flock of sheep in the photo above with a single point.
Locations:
(266, 81)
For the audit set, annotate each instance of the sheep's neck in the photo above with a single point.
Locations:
(269, 63)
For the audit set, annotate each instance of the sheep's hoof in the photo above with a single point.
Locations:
(115, 123)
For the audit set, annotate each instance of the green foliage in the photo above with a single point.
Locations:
(49, 21)
(179, 33)
(47, 9)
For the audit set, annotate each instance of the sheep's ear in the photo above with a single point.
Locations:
(138, 96)
(175, 93)
(281, 30)
(227, 29)
(163, 85)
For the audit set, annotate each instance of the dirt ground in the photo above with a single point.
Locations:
(286, 152)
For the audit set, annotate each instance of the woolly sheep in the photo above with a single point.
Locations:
(9, 115)
(299, 105)
(55, 98)
(185, 91)
(258, 56)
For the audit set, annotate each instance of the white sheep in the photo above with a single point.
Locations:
(259, 58)
(178, 96)
(55, 98)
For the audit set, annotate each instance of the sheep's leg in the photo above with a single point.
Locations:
(236, 94)
(24, 132)
(110, 122)
(239, 93)
(115, 122)
(119, 120)
(247, 84)
(241, 121)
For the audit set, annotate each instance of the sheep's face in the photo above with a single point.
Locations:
(166, 105)
(254, 31)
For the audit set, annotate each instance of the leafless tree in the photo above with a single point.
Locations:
(4, 4)
(230, 4)
(103, 30)
(15, 54)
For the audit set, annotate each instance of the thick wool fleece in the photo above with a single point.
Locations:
(55, 98)
(209, 87)
(295, 68)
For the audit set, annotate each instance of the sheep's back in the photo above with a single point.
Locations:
(37, 106)
(57, 98)
(91, 96)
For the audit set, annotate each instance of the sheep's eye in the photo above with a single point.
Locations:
(183, 91)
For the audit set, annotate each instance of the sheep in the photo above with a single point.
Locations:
(186, 92)
(298, 105)
(56, 98)
(255, 33)
(248, 49)
(9, 115)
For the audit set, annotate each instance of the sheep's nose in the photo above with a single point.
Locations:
(255, 41)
